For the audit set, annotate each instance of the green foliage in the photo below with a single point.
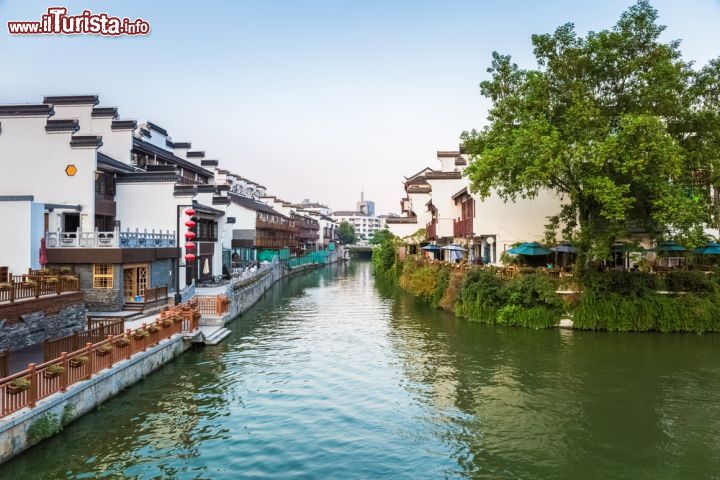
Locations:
(664, 313)
(691, 281)
(68, 414)
(528, 300)
(346, 233)
(634, 284)
(441, 285)
(616, 121)
(46, 426)
(381, 236)
(421, 282)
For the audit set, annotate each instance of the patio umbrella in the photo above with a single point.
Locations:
(564, 247)
(206, 267)
(43, 252)
(667, 247)
(530, 249)
(431, 248)
(455, 248)
(709, 249)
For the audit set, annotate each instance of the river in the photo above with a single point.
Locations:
(333, 376)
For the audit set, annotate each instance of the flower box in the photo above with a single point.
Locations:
(77, 362)
(152, 329)
(18, 385)
(53, 371)
(122, 342)
(104, 350)
(140, 334)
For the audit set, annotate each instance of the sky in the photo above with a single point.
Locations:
(314, 99)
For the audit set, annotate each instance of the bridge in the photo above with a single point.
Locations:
(360, 250)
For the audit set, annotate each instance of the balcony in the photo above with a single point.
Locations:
(21, 287)
(463, 228)
(280, 226)
(272, 243)
(111, 239)
(431, 230)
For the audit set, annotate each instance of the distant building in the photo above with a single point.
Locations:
(366, 207)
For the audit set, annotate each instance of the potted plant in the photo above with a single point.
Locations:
(53, 371)
(44, 271)
(177, 318)
(52, 280)
(79, 361)
(122, 342)
(167, 322)
(5, 286)
(103, 350)
(65, 270)
(29, 283)
(140, 333)
(152, 328)
(19, 385)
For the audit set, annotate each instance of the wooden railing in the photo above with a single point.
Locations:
(26, 388)
(213, 304)
(463, 228)
(4, 363)
(35, 286)
(431, 231)
(53, 348)
(155, 294)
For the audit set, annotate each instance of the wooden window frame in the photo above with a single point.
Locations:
(108, 279)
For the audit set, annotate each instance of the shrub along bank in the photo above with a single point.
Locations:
(683, 301)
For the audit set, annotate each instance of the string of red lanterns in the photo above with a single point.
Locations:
(189, 236)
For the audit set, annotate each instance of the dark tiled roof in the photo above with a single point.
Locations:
(147, 177)
(221, 200)
(460, 161)
(443, 175)
(196, 154)
(418, 188)
(101, 112)
(177, 144)
(146, 147)
(109, 164)
(209, 163)
(441, 154)
(72, 99)
(28, 110)
(206, 188)
(123, 125)
(79, 141)
(68, 125)
(205, 209)
(461, 192)
(417, 180)
(157, 128)
(253, 204)
(145, 132)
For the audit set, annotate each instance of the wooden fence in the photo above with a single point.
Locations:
(52, 349)
(212, 304)
(4, 363)
(24, 286)
(26, 388)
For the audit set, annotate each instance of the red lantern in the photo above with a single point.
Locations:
(189, 212)
(189, 246)
(189, 257)
(189, 235)
(190, 224)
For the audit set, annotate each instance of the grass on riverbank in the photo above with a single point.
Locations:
(612, 301)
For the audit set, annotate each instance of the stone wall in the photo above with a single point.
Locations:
(85, 396)
(41, 319)
(161, 274)
(101, 299)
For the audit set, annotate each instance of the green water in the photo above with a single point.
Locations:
(332, 376)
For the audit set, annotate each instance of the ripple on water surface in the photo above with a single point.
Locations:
(332, 376)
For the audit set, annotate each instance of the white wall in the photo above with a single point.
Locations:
(442, 192)
(21, 249)
(35, 162)
(403, 230)
(148, 206)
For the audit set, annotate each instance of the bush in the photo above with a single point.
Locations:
(443, 280)
(533, 290)
(636, 284)
(46, 426)
(533, 317)
(692, 281)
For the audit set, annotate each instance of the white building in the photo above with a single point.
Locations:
(440, 202)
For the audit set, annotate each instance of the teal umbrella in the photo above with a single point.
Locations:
(709, 249)
(668, 247)
(530, 248)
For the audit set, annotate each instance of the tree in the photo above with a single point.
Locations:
(380, 236)
(346, 233)
(616, 123)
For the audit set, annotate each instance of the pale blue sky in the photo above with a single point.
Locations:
(315, 99)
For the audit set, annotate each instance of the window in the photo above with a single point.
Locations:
(103, 275)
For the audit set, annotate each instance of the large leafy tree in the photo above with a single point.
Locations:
(616, 123)
(346, 233)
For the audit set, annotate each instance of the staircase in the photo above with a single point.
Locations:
(213, 335)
